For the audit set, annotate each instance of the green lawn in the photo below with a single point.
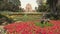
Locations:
(43, 25)
(26, 18)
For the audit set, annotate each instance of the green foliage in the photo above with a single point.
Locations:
(54, 8)
(4, 19)
(43, 25)
(43, 8)
(10, 5)
(24, 17)
(52, 16)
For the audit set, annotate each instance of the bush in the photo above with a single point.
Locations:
(4, 19)
(53, 16)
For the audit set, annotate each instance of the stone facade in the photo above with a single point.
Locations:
(28, 8)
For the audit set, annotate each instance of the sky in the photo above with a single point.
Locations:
(25, 2)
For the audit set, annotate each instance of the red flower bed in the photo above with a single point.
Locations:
(23, 28)
(31, 28)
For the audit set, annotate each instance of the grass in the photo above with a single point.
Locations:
(26, 18)
(43, 25)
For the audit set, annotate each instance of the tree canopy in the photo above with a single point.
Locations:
(52, 6)
(10, 5)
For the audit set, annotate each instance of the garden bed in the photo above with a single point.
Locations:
(31, 28)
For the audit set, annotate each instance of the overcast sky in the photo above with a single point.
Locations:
(32, 2)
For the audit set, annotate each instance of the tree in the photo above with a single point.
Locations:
(10, 5)
(42, 6)
(39, 2)
(36, 8)
(53, 6)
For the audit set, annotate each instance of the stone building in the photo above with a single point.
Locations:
(28, 8)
